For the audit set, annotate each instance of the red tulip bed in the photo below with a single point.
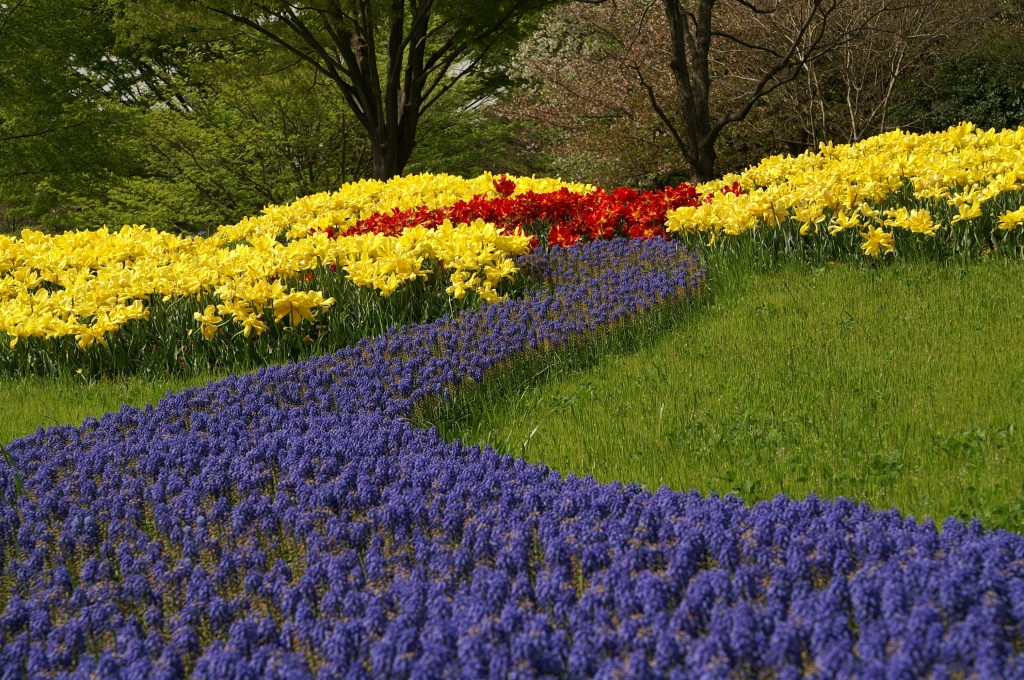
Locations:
(569, 217)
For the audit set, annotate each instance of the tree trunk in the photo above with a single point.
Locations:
(391, 154)
(384, 164)
(693, 81)
(703, 166)
(391, 113)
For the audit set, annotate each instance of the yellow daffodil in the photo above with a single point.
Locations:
(208, 320)
(876, 241)
(299, 305)
(870, 213)
(252, 323)
(920, 222)
(844, 221)
(968, 211)
(87, 284)
(1011, 219)
(89, 335)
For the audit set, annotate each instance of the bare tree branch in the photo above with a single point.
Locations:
(661, 114)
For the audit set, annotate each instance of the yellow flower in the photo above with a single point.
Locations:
(968, 196)
(239, 309)
(963, 166)
(299, 305)
(920, 222)
(809, 216)
(876, 240)
(253, 323)
(208, 321)
(869, 212)
(1011, 219)
(968, 212)
(844, 221)
(88, 335)
(896, 217)
(458, 286)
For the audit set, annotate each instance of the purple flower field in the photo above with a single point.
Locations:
(291, 523)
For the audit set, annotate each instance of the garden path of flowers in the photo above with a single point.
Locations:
(292, 523)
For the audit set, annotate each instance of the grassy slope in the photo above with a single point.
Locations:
(32, 402)
(902, 386)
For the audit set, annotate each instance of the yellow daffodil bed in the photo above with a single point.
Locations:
(87, 284)
(942, 185)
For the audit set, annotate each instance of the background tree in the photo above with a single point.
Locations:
(392, 60)
(58, 73)
(785, 36)
(248, 131)
(470, 134)
(976, 76)
(862, 87)
(590, 75)
(185, 134)
(601, 79)
(578, 78)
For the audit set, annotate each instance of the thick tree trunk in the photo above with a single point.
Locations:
(690, 69)
(703, 165)
(691, 34)
(391, 112)
(392, 153)
(384, 165)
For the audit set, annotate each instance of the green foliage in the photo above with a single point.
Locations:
(391, 61)
(60, 120)
(467, 136)
(178, 134)
(895, 385)
(984, 86)
(256, 132)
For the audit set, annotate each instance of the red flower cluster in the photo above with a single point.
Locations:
(570, 217)
(623, 212)
(504, 186)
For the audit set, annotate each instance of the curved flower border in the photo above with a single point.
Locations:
(292, 523)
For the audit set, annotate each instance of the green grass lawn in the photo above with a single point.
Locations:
(32, 402)
(902, 386)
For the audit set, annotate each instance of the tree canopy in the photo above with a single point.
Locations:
(58, 70)
(392, 60)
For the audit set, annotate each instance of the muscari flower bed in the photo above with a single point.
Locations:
(292, 523)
